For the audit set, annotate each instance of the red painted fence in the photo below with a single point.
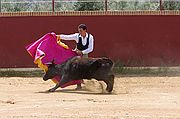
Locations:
(136, 40)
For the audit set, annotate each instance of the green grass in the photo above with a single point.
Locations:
(36, 73)
(142, 71)
(118, 70)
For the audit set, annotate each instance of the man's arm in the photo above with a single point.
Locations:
(90, 47)
(68, 37)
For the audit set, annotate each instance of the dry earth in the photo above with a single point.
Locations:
(132, 98)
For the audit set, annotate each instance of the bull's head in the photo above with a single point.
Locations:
(51, 73)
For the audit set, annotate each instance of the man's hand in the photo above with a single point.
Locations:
(79, 52)
(58, 38)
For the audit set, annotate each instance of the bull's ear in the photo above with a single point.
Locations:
(53, 62)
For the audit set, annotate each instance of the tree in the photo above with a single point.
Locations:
(64, 6)
(171, 5)
(89, 6)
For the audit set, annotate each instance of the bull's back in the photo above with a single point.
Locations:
(86, 67)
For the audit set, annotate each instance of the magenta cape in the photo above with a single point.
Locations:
(47, 49)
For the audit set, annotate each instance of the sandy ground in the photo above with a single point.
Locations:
(133, 97)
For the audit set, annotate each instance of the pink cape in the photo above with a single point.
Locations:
(48, 47)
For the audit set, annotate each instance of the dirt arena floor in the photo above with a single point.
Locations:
(132, 98)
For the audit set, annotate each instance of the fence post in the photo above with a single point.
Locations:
(0, 5)
(105, 5)
(53, 5)
(161, 5)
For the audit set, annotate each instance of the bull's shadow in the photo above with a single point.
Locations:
(74, 91)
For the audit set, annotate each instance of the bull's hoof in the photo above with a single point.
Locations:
(51, 90)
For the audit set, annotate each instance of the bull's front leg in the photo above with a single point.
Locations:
(54, 88)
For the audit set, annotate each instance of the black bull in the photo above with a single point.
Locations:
(78, 68)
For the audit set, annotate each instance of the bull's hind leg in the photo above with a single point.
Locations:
(109, 80)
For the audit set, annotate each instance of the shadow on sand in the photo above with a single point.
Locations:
(82, 91)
